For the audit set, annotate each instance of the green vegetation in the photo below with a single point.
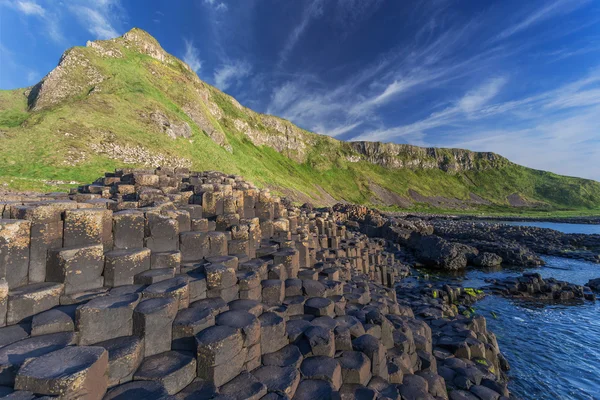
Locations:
(80, 128)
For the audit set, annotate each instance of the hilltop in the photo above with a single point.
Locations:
(126, 102)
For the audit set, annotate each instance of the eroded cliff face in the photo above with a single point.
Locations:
(394, 155)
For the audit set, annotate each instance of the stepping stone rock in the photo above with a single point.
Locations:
(176, 288)
(321, 341)
(72, 372)
(289, 356)
(272, 332)
(147, 390)
(295, 329)
(244, 387)
(373, 348)
(356, 367)
(323, 368)
(216, 305)
(127, 289)
(173, 369)
(219, 276)
(125, 355)
(315, 389)
(197, 390)
(122, 265)
(26, 301)
(79, 268)
(14, 333)
(221, 355)
(15, 242)
(281, 380)
(244, 321)
(413, 387)
(187, 324)
(15, 354)
(106, 318)
(319, 306)
(273, 292)
(152, 320)
(252, 306)
(59, 319)
(352, 391)
(153, 276)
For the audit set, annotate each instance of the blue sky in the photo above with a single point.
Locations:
(520, 78)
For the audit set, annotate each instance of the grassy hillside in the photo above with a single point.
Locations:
(125, 102)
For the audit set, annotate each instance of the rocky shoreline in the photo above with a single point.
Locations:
(172, 284)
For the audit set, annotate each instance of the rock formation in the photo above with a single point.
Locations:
(158, 283)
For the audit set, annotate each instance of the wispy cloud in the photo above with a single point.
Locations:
(231, 73)
(313, 10)
(217, 5)
(31, 8)
(477, 98)
(98, 17)
(555, 130)
(48, 17)
(549, 10)
(192, 56)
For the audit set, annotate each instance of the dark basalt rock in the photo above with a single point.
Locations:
(198, 285)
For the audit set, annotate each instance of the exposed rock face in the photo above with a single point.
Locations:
(394, 155)
(73, 75)
(281, 135)
(172, 129)
(147, 45)
(199, 117)
(138, 155)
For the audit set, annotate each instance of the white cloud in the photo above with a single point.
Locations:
(217, 5)
(230, 73)
(192, 56)
(551, 9)
(475, 99)
(337, 131)
(96, 20)
(314, 10)
(31, 8)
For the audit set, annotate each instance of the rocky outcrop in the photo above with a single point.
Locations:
(517, 244)
(170, 128)
(533, 286)
(394, 155)
(435, 252)
(74, 75)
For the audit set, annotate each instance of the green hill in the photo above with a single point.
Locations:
(126, 102)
